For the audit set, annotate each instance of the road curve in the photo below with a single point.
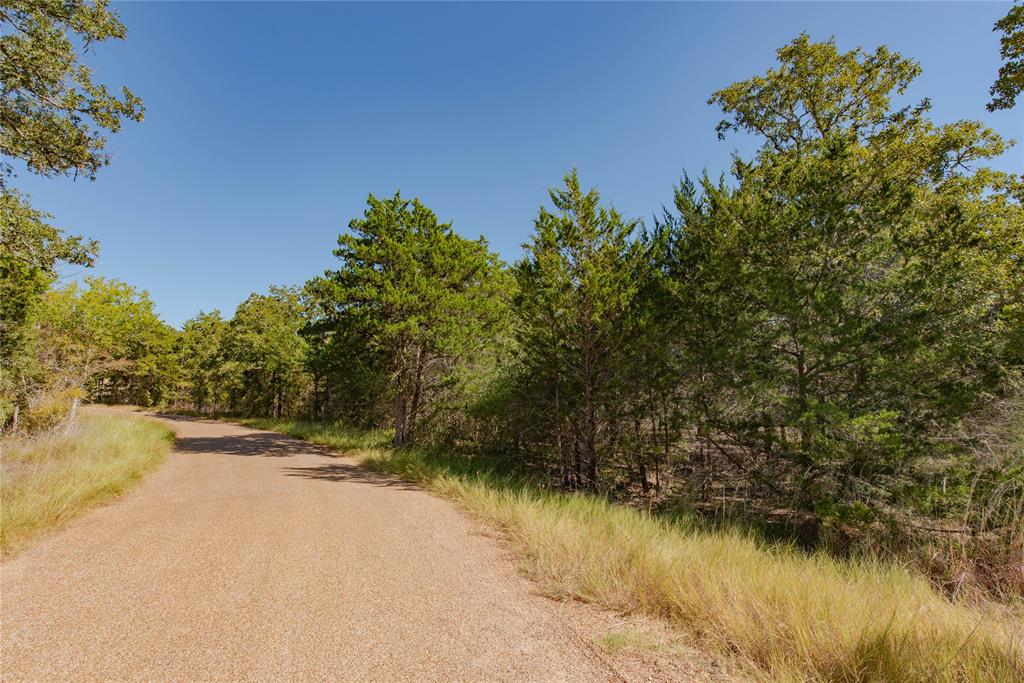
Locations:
(252, 556)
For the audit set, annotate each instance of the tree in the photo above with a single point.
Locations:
(265, 344)
(51, 111)
(349, 369)
(419, 299)
(52, 115)
(107, 339)
(853, 291)
(200, 351)
(1011, 74)
(30, 249)
(577, 286)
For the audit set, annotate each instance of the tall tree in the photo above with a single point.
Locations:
(30, 250)
(852, 292)
(577, 286)
(418, 296)
(106, 338)
(265, 344)
(52, 119)
(206, 371)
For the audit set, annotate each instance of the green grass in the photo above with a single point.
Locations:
(337, 436)
(47, 480)
(627, 639)
(777, 613)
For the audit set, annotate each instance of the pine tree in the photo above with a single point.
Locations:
(577, 286)
(419, 295)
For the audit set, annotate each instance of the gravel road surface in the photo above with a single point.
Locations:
(253, 556)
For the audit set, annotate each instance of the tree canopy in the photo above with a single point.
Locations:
(52, 113)
(419, 297)
(53, 116)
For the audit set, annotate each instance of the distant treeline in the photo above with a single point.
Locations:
(831, 337)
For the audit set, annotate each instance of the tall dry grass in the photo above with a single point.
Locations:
(778, 613)
(48, 479)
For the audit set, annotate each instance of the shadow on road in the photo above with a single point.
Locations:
(273, 445)
(258, 444)
(347, 472)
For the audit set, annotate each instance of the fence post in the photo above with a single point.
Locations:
(70, 422)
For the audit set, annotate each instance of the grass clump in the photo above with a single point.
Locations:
(782, 614)
(627, 639)
(48, 479)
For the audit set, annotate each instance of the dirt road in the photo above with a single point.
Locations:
(252, 556)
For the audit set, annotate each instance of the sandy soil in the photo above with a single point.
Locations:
(253, 556)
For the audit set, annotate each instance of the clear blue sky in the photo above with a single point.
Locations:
(267, 124)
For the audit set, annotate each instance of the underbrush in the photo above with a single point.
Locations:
(47, 479)
(777, 612)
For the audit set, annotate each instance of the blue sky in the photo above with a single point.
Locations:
(267, 124)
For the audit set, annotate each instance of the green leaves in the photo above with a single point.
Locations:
(576, 307)
(30, 250)
(266, 353)
(106, 337)
(849, 295)
(52, 113)
(52, 118)
(1011, 74)
(417, 297)
(817, 92)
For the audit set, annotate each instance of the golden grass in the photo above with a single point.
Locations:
(778, 613)
(48, 479)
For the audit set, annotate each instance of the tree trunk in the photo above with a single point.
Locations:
(398, 377)
(416, 392)
(577, 463)
(399, 420)
(563, 465)
(590, 435)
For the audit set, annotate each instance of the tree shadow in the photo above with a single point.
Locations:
(266, 444)
(351, 473)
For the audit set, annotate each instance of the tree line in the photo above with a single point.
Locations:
(830, 333)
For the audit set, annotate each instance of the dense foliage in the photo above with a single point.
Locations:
(52, 113)
(52, 119)
(410, 309)
(854, 291)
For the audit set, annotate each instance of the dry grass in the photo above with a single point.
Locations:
(778, 613)
(48, 479)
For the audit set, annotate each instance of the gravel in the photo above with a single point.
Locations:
(252, 556)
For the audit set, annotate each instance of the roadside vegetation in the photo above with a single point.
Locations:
(826, 345)
(774, 611)
(47, 479)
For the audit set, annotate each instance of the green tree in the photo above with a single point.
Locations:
(854, 291)
(200, 353)
(416, 297)
(266, 353)
(30, 250)
(52, 112)
(106, 338)
(52, 119)
(578, 286)
(349, 370)
(1011, 74)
